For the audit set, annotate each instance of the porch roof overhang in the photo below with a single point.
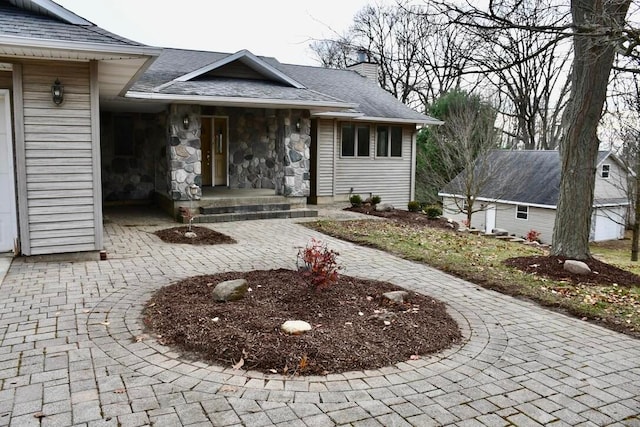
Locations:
(120, 65)
(230, 101)
(360, 117)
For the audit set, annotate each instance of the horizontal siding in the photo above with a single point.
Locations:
(326, 144)
(58, 159)
(539, 219)
(390, 178)
(612, 187)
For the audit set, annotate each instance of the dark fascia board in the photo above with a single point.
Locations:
(248, 59)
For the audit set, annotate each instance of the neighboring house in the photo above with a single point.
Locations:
(523, 194)
(136, 122)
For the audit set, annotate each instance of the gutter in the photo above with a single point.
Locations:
(236, 101)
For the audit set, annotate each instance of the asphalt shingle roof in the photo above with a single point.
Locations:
(524, 176)
(23, 23)
(321, 84)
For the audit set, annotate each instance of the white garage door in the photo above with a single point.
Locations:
(8, 218)
(609, 224)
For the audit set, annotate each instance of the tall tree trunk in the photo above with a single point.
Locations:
(635, 237)
(593, 59)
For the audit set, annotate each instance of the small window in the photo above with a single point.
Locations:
(354, 140)
(522, 212)
(605, 171)
(389, 141)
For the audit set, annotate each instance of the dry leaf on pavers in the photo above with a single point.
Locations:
(414, 357)
(120, 390)
(39, 415)
(228, 389)
(240, 364)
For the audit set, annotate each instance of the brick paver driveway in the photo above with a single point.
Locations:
(69, 353)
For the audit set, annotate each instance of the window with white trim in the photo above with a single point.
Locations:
(606, 169)
(354, 140)
(389, 141)
(522, 212)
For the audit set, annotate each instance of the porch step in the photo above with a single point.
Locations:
(267, 207)
(264, 214)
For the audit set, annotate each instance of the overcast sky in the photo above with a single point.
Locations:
(280, 28)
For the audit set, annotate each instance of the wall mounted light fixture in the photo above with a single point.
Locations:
(186, 122)
(57, 92)
(298, 125)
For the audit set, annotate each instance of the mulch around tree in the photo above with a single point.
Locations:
(204, 236)
(552, 268)
(417, 219)
(354, 326)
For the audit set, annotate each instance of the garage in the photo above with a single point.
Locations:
(8, 217)
(608, 224)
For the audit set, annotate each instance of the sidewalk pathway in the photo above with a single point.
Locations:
(73, 350)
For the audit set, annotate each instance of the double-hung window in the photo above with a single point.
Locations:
(354, 140)
(522, 212)
(389, 141)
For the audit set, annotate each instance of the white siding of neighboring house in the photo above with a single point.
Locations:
(60, 207)
(389, 177)
(539, 219)
(612, 187)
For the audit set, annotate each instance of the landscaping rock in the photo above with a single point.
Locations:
(396, 296)
(231, 290)
(295, 327)
(385, 207)
(499, 232)
(190, 235)
(576, 267)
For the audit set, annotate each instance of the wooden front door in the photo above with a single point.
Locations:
(220, 144)
(205, 143)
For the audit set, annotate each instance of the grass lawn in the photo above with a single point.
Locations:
(479, 259)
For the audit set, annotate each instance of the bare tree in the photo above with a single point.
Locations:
(459, 152)
(598, 29)
(528, 69)
(418, 58)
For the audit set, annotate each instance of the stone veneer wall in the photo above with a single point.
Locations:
(267, 149)
(132, 155)
(183, 155)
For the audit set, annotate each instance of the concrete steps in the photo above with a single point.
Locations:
(259, 214)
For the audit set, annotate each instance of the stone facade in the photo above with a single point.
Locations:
(253, 154)
(133, 147)
(143, 153)
(183, 155)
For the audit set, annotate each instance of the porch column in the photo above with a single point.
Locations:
(297, 153)
(184, 154)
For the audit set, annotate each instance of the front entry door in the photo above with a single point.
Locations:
(220, 143)
(8, 217)
(205, 143)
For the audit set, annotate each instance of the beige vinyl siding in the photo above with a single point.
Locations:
(388, 177)
(58, 159)
(326, 152)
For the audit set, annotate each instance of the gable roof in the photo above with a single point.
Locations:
(530, 177)
(180, 75)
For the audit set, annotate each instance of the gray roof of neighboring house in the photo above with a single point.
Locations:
(321, 84)
(24, 23)
(522, 176)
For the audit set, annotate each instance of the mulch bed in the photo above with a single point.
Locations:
(417, 219)
(552, 267)
(204, 236)
(354, 326)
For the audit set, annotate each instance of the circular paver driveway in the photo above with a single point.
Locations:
(73, 349)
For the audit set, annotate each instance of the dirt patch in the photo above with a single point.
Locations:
(354, 326)
(417, 219)
(552, 267)
(204, 236)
